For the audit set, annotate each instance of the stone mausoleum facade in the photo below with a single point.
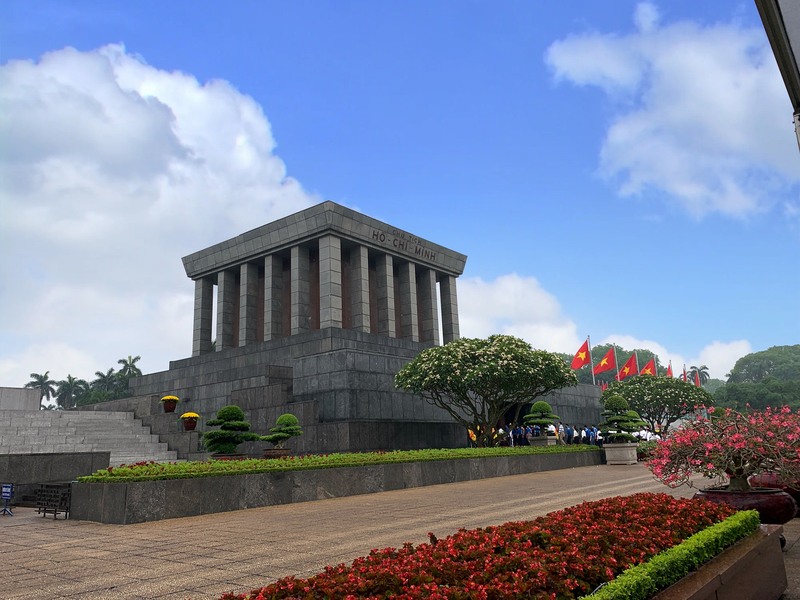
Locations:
(314, 314)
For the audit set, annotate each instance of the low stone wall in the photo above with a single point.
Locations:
(752, 569)
(27, 471)
(136, 502)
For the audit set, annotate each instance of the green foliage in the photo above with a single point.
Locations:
(233, 431)
(286, 427)
(620, 422)
(659, 401)
(778, 362)
(541, 414)
(154, 471)
(477, 381)
(643, 581)
(769, 392)
(43, 384)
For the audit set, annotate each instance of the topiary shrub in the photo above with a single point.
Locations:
(541, 414)
(233, 431)
(620, 422)
(286, 427)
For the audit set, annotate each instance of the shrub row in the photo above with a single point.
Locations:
(151, 471)
(564, 555)
(642, 581)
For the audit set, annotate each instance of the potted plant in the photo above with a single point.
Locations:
(286, 427)
(616, 431)
(731, 446)
(233, 430)
(189, 420)
(541, 414)
(169, 403)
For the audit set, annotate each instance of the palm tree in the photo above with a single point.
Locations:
(70, 390)
(106, 382)
(129, 368)
(702, 373)
(44, 384)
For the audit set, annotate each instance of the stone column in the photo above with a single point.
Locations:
(248, 303)
(385, 287)
(203, 315)
(447, 288)
(273, 294)
(359, 286)
(428, 310)
(409, 320)
(226, 297)
(330, 282)
(301, 290)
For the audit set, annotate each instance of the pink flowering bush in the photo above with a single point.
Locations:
(731, 446)
(565, 554)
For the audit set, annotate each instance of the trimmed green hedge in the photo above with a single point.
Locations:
(643, 581)
(153, 471)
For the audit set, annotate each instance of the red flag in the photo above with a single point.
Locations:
(669, 370)
(608, 362)
(628, 369)
(697, 378)
(603, 386)
(684, 373)
(649, 368)
(581, 356)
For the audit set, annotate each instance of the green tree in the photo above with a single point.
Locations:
(233, 431)
(286, 427)
(660, 401)
(477, 381)
(769, 392)
(778, 362)
(129, 368)
(70, 391)
(619, 421)
(44, 384)
(107, 382)
(701, 372)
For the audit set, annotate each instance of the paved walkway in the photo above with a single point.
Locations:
(203, 557)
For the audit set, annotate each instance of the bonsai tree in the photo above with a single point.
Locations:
(286, 427)
(620, 422)
(541, 414)
(233, 431)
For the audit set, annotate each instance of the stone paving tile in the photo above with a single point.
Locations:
(205, 556)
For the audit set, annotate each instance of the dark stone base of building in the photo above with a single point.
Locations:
(338, 382)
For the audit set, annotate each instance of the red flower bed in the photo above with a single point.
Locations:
(564, 554)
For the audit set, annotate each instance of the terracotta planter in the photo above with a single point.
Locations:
(189, 424)
(169, 405)
(770, 480)
(773, 506)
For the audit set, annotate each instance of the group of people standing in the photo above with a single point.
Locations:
(564, 433)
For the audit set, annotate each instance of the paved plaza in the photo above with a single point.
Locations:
(203, 557)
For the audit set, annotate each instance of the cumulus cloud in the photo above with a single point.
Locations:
(700, 115)
(111, 170)
(515, 305)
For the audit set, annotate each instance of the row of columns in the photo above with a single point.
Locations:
(408, 298)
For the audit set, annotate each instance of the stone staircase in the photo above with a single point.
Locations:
(37, 432)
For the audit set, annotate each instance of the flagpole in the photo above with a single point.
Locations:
(636, 354)
(655, 361)
(616, 362)
(591, 360)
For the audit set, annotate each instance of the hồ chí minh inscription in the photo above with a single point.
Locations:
(404, 242)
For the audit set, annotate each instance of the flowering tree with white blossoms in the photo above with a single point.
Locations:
(660, 401)
(478, 380)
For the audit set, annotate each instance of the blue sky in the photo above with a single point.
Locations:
(623, 170)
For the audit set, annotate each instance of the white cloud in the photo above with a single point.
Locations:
(718, 356)
(699, 114)
(514, 305)
(111, 170)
